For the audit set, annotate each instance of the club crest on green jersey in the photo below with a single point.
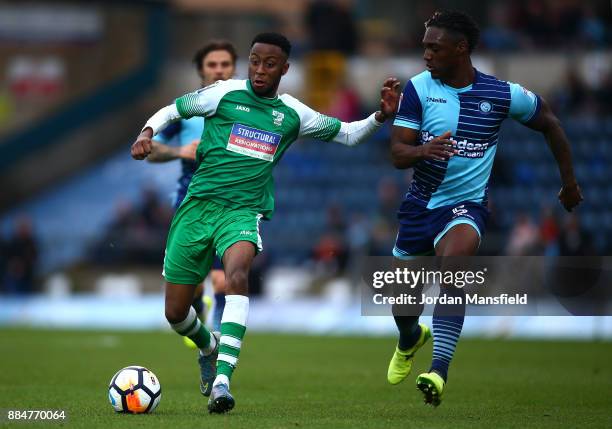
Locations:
(278, 117)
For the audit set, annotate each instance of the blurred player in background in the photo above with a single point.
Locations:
(213, 62)
(446, 129)
(249, 127)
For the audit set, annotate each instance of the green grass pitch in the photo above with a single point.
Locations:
(286, 381)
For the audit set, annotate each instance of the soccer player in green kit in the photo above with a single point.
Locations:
(248, 129)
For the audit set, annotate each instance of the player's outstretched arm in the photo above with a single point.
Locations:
(353, 133)
(202, 102)
(406, 152)
(161, 152)
(548, 124)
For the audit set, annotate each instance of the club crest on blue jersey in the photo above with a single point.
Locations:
(253, 142)
(485, 106)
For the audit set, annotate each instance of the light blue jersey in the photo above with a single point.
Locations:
(473, 115)
(183, 132)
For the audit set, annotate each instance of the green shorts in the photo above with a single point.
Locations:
(200, 227)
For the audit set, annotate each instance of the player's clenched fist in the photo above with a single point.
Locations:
(439, 149)
(570, 196)
(143, 145)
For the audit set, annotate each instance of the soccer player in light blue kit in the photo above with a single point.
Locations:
(215, 61)
(447, 129)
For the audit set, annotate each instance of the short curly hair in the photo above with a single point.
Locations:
(458, 22)
(275, 39)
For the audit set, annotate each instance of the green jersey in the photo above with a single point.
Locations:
(245, 136)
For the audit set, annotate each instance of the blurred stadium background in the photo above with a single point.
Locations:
(83, 226)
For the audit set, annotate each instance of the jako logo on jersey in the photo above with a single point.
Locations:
(485, 106)
(243, 108)
(436, 100)
(253, 142)
(464, 148)
(278, 117)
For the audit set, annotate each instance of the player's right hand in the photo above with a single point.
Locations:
(438, 149)
(142, 147)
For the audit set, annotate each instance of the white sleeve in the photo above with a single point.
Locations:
(204, 102)
(353, 133)
(313, 124)
(163, 118)
(322, 127)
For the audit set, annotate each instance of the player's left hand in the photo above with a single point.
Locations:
(570, 196)
(389, 99)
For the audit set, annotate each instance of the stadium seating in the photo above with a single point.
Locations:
(314, 175)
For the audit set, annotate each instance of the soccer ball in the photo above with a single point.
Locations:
(134, 389)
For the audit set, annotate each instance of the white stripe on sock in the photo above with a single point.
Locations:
(227, 358)
(195, 329)
(181, 326)
(231, 341)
